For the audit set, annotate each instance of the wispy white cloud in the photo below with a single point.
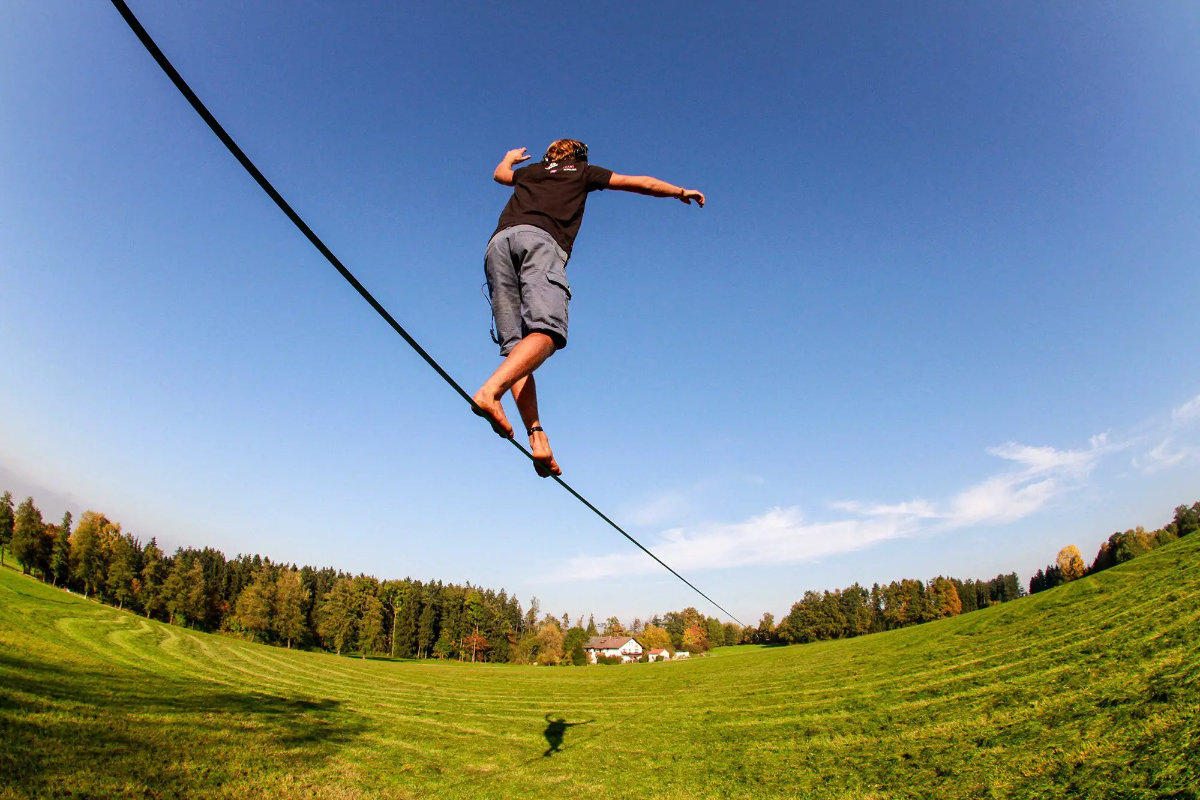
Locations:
(779, 536)
(1164, 456)
(1010, 496)
(1188, 411)
(914, 509)
(785, 536)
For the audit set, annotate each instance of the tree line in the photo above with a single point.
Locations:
(281, 604)
(1122, 546)
(857, 611)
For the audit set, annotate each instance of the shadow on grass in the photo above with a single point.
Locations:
(121, 732)
(555, 730)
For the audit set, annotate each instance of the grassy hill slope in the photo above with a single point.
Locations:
(1091, 689)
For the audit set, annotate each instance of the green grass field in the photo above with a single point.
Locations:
(1091, 689)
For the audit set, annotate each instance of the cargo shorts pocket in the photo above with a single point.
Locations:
(558, 277)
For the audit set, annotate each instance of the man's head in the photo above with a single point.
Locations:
(566, 150)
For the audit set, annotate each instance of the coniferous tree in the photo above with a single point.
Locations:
(154, 574)
(185, 591)
(8, 521)
(408, 606)
(28, 532)
(427, 632)
(338, 621)
(44, 550)
(531, 616)
(60, 553)
(122, 581)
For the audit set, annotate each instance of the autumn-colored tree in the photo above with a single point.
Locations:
(550, 644)
(476, 644)
(695, 639)
(1070, 563)
(943, 598)
(653, 637)
(613, 627)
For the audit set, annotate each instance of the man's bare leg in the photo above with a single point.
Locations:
(529, 354)
(525, 393)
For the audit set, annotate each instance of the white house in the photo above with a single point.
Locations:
(625, 648)
(658, 654)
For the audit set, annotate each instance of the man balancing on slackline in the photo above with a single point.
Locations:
(526, 272)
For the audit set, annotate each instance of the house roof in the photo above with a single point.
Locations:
(607, 642)
(656, 651)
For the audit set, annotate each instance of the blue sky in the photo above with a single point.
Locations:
(938, 316)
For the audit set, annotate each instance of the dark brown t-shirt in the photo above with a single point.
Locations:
(552, 196)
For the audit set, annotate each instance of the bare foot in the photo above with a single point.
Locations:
(493, 412)
(543, 457)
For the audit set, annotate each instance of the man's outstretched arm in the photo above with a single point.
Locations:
(504, 170)
(644, 184)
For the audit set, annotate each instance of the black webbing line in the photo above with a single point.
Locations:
(248, 165)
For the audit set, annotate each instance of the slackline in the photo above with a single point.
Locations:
(291, 214)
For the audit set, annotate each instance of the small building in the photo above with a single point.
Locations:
(683, 654)
(658, 654)
(625, 648)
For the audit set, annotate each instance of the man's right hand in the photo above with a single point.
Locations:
(503, 173)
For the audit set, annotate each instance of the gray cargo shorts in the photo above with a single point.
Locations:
(527, 280)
